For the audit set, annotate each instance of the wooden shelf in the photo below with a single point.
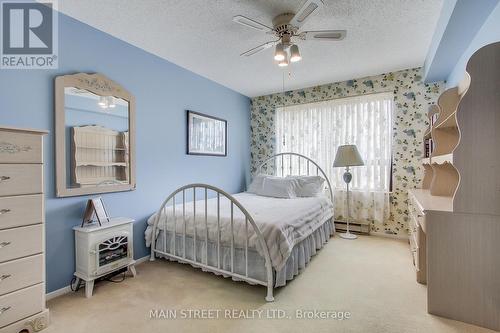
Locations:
(441, 178)
(428, 174)
(102, 148)
(101, 164)
(444, 180)
(445, 140)
(93, 181)
(440, 159)
(448, 103)
(427, 202)
(448, 122)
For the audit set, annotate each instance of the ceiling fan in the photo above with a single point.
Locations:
(286, 28)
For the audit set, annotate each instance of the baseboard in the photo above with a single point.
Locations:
(57, 293)
(142, 260)
(67, 289)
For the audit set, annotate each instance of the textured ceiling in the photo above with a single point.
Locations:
(382, 36)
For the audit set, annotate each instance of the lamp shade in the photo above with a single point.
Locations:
(279, 53)
(294, 53)
(347, 155)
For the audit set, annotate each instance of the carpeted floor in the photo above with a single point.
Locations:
(371, 278)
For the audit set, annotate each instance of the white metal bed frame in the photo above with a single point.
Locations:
(169, 250)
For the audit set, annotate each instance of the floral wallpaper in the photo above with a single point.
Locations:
(412, 98)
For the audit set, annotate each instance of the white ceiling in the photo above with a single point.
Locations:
(382, 36)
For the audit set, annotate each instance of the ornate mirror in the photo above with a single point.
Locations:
(95, 136)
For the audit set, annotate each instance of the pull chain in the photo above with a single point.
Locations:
(283, 94)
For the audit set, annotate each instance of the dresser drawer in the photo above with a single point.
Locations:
(21, 304)
(18, 147)
(21, 273)
(417, 217)
(21, 210)
(21, 242)
(18, 179)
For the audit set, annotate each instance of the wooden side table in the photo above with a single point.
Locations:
(101, 250)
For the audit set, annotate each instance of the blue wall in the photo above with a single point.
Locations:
(163, 92)
(489, 33)
(462, 28)
(433, 71)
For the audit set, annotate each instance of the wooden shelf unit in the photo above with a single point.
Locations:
(99, 155)
(456, 218)
(441, 178)
(440, 175)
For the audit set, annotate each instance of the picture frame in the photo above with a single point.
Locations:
(95, 207)
(206, 135)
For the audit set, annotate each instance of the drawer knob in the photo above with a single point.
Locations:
(4, 211)
(4, 178)
(5, 276)
(4, 244)
(4, 309)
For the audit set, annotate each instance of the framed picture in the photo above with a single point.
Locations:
(206, 135)
(95, 208)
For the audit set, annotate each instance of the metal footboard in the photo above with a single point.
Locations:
(169, 250)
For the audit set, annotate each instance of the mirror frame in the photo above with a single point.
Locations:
(99, 85)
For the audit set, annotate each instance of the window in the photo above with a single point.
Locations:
(317, 129)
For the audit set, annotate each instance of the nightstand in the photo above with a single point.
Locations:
(101, 250)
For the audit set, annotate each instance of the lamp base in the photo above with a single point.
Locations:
(348, 235)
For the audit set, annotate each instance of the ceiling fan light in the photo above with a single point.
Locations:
(283, 63)
(279, 53)
(295, 54)
(111, 102)
(102, 101)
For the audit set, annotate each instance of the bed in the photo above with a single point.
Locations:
(248, 237)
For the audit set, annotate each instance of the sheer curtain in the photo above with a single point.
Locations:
(318, 129)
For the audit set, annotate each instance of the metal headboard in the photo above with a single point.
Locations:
(309, 165)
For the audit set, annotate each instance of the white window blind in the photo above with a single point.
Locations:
(318, 129)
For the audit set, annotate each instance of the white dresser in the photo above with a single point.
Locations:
(22, 232)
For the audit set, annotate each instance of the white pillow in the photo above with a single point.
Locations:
(279, 187)
(308, 186)
(256, 184)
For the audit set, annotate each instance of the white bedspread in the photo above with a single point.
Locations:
(282, 222)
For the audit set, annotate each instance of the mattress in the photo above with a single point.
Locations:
(283, 223)
(299, 257)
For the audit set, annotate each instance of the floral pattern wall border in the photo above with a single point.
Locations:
(412, 98)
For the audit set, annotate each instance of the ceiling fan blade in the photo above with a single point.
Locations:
(309, 7)
(328, 35)
(257, 49)
(251, 23)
